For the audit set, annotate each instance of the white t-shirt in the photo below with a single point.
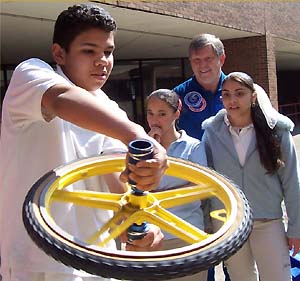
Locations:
(29, 148)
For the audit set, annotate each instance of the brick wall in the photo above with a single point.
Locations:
(255, 56)
(253, 16)
(283, 19)
(244, 15)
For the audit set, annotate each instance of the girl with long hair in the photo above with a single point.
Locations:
(250, 142)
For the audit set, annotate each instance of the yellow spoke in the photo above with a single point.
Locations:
(119, 229)
(111, 224)
(220, 215)
(107, 201)
(174, 225)
(180, 196)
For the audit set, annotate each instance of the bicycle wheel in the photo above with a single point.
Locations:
(204, 250)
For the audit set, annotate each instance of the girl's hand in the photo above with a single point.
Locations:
(155, 133)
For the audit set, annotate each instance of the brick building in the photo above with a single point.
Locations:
(260, 38)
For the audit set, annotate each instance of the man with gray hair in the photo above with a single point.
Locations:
(201, 94)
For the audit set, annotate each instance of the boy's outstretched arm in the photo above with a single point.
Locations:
(82, 108)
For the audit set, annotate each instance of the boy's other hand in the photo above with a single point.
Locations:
(152, 241)
(147, 173)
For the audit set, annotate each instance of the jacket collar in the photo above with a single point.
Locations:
(220, 130)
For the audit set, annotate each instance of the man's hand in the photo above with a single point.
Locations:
(147, 173)
(152, 241)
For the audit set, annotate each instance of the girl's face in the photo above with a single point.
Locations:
(161, 115)
(237, 100)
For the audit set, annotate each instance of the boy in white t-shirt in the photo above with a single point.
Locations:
(53, 117)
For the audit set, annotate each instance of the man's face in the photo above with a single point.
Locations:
(89, 61)
(206, 66)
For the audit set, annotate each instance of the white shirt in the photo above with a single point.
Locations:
(29, 148)
(241, 138)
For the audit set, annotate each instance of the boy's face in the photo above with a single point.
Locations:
(89, 61)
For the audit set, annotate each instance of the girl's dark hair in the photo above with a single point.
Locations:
(268, 142)
(169, 96)
(79, 18)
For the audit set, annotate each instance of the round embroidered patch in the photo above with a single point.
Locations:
(195, 101)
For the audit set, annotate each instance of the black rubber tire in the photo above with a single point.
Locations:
(161, 265)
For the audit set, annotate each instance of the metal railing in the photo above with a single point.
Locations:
(291, 110)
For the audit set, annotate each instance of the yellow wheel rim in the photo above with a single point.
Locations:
(151, 207)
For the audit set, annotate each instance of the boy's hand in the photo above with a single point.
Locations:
(152, 241)
(147, 173)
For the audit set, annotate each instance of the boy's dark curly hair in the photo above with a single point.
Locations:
(79, 18)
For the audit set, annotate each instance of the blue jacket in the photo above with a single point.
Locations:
(265, 192)
(197, 105)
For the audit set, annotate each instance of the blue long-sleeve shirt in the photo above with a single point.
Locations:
(197, 105)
